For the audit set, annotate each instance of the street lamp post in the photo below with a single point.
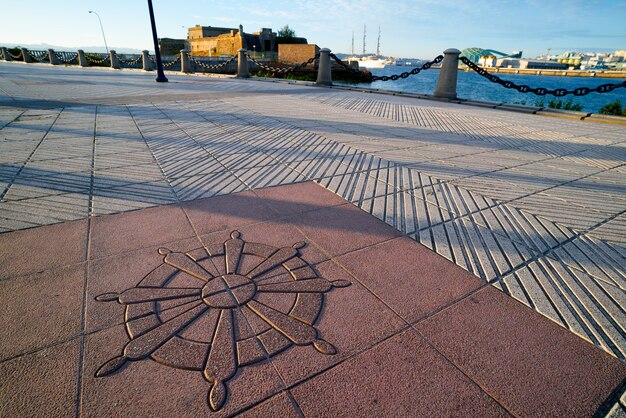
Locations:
(160, 75)
(102, 29)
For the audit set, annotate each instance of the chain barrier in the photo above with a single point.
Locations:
(129, 62)
(92, 60)
(282, 70)
(63, 57)
(212, 67)
(168, 64)
(414, 71)
(346, 66)
(16, 57)
(540, 91)
(394, 77)
(38, 56)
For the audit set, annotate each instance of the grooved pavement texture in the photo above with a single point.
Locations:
(533, 206)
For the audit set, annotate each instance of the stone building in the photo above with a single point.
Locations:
(214, 41)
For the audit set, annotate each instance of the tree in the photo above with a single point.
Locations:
(286, 32)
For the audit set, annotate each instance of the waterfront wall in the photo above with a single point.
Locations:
(560, 73)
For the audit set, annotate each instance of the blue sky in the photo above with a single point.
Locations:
(415, 28)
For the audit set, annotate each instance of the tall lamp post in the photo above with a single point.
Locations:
(160, 75)
(102, 29)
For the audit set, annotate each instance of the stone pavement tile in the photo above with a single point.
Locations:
(595, 257)
(46, 247)
(120, 272)
(577, 301)
(41, 383)
(206, 185)
(271, 175)
(227, 212)
(40, 309)
(613, 231)
(403, 376)
(278, 406)
(529, 364)
(351, 319)
(301, 197)
(148, 387)
(341, 229)
(409, 278)
(116, 234)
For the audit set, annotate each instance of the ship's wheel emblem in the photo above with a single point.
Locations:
(219, 308)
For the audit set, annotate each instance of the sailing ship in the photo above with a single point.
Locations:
(369, 61)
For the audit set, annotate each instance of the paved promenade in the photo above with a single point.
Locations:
(114, 186)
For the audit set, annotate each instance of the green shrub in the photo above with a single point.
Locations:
(613, 108)
(568, 105)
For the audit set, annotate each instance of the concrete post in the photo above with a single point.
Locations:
(82, 60)
(52, 57)
(185, 64)
(242, 64)
(323, 74)
(147, 64)
(446, 86)
(26, 56)
(5, 54)
(115, 63)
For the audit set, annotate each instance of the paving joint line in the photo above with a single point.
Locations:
(83, 317)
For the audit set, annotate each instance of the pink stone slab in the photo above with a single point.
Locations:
(37, 249)
(352, 319)
(118, 273)
(528, 363)
(224, 213)
(341, 229)
(402, 376)
(40, 309)
(146, 387)
(42, 383)
(413, 280)
(116, 234)
(297, 198)
(278, 406)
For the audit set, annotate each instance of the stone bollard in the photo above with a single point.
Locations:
(446, 86)
(82, 59)
(52, 57)
(185, 64)
(147, 64)
(242, 64)
(115, 63)
(5, 54)
(26, 56)
(324, 76)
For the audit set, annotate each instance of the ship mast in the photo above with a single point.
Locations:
(364, 31)
(352, 43)
(378, 44)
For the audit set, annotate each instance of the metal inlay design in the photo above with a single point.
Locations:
(222, 307)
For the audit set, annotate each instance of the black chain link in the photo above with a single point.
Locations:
(38, 56)
(130, 62)
(92, 60)
(63, 57)
(167, 64)
(215, 66)
(393, 77)
(283, 70)
(540, 91)
(346, 66)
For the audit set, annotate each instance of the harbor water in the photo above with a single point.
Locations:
(472, 86)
